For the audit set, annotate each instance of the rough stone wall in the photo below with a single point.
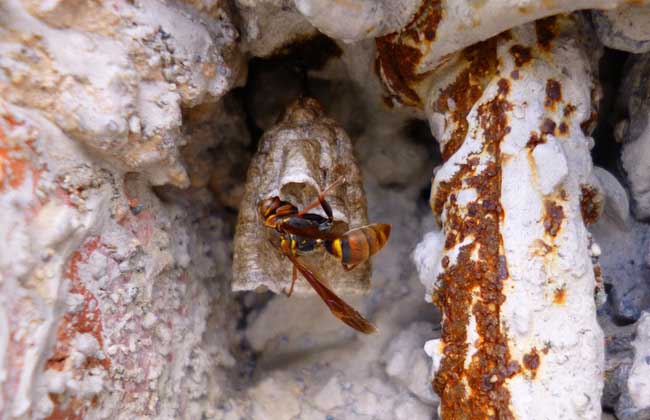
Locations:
(126, 132)
(113, 296)
(112, 300)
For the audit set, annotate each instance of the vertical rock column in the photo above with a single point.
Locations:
(114, 296)
(514, 276)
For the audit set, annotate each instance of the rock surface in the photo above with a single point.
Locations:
(115, 78)
(633, 132)
(100, 318)
(624, 28)
(126, 132)
(516, 271)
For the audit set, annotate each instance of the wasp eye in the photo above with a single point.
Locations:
(267, 206)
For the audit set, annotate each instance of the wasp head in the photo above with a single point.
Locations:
(268, 206)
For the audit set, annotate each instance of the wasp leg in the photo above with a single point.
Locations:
(349, 267)
(321, 200)
(294, 277)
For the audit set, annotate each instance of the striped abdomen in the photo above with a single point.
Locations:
(357, 245)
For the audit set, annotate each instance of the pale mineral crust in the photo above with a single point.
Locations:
(127, 129)
(107, 293)
(355, 20)
(115, 76)
(514, 274)
(638, 383)
(624, 28)
(114, 298)
(296, 159)
(268, 26)
(632, 131)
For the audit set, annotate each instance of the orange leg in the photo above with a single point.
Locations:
(321, 199)
(294, 277)
(286, 249)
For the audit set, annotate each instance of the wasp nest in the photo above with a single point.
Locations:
(295, 160)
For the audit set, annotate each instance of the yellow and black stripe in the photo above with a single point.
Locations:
(357, 245)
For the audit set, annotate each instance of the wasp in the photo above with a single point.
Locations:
(302, 232)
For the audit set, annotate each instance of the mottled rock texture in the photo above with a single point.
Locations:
(110, 294)
(624, 28)
(115, 296)
(127, 129)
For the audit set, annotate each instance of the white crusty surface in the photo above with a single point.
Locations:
(570, 374)
(106, 293)
(549, 304)
(114, 76)
(634, 132)
(638, 383)
(355, 20)
(624, 28)
(466, 22)
(426, 257)
(267, 26)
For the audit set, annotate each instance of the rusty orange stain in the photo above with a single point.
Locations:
(445, 261)
(531, 362)
(466, 90)
(86, 320)
(72, 410)
(553, 94)
(535, 139)
(547, 127)
(541, 248)
(12, 169)
(491, 365)
(545, 30)
(16, 162)
(598, 277)
(553, 217)
(569, 109)
(559, 296)
(398, 57)
(521, 54)
(590, 204)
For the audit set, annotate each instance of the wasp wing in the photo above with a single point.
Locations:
(337, 306)
(314, 226)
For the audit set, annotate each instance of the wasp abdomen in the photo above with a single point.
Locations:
(357, 245)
